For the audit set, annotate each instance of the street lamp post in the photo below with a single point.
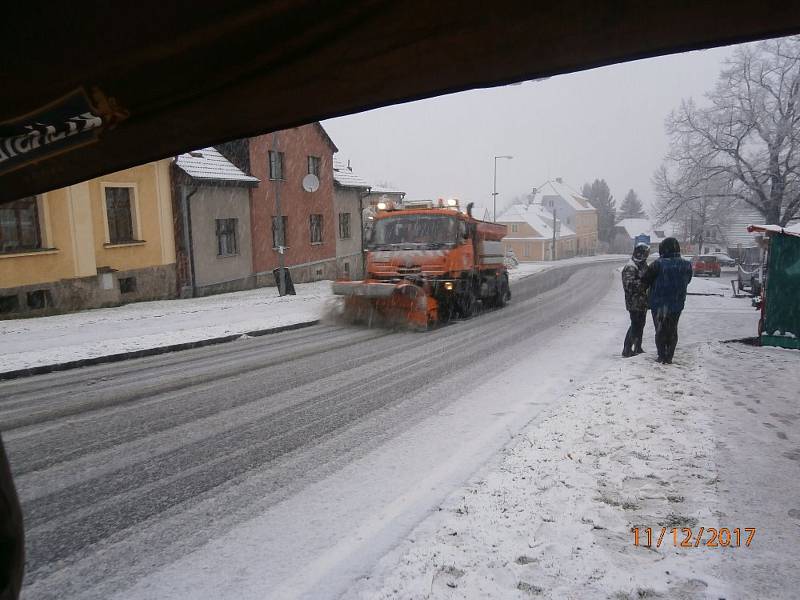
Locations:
(494, 193)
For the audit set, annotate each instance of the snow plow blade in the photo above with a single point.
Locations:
(393, 304)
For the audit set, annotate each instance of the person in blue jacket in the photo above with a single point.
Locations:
(667, 279)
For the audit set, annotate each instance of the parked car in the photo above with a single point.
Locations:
(724, 260)
(706, 264)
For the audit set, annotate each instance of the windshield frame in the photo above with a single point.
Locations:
(420, 241)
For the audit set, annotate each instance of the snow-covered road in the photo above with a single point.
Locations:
(292, 460)
(90, 334)
(289, 466)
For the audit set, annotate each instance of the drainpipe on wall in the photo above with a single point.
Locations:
(279, 213)
(361, 197)
(186, 212)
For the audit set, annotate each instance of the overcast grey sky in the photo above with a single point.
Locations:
(604, 123)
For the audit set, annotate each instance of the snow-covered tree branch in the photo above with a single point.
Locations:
(744, 144)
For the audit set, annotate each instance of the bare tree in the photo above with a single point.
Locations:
(746, 141)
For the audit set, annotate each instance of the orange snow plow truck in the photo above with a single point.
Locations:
(427, 262)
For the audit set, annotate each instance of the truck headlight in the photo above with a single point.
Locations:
(448, 285)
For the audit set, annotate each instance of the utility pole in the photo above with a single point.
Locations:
(553, 250)
(281, 247)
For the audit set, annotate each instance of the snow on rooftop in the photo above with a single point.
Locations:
(535, 216)
(208, 164)
(571, 196)
(343, 175)
(634, 227)
(380, 189)
(790, 230)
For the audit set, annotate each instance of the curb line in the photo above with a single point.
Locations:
(120, 356)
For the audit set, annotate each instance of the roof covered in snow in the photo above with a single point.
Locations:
(791, 230)
(209, 165)
(382, 189)
(557, 187)
(535, 216)
(344, 176)
(636, 227)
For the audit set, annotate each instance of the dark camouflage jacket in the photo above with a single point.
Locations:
(635, 289)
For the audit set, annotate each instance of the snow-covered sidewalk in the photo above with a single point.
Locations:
(26, 343)
(712, 441)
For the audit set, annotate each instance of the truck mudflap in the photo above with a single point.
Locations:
(393, 304)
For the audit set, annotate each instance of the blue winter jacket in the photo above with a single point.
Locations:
(667, 278)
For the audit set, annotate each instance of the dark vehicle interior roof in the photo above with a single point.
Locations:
(167, 77)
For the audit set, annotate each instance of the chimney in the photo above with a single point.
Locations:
(559, 180)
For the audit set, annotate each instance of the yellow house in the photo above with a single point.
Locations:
(530, 234)
(573, 211)
(97, 243)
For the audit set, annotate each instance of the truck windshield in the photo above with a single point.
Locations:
(427, 230)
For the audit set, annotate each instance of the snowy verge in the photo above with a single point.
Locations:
(87, 335)
(526, 269)
(693, 444)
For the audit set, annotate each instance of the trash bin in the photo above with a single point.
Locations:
(289, 289)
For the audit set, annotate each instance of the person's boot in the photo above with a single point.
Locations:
(638, 350)
(627, 353)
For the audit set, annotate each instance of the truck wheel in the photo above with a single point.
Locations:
(466, 303)
(503, 293)
(446, 310)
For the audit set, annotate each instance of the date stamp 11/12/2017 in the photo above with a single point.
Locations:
(686, 537)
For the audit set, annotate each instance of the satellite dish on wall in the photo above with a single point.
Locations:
(311, 183)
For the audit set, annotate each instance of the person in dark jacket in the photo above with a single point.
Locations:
(12, 537)
(635, 299)
(667, 279)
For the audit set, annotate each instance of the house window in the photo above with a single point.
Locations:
(280, 226)
(19, 226)
(127, 285)
(39, 299)
(514, 228)
(526, 250)
(275, 165)
(227, 244)
(315, 222)
(314, 163)
(119, 214)
(344, 226)
(9, 304)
